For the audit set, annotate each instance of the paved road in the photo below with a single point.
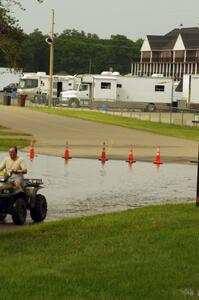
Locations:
(85, 138)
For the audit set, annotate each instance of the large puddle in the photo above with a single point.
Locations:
(85, 186)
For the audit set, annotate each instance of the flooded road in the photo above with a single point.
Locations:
(85, 186)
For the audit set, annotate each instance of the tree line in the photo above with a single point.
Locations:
(75, 51)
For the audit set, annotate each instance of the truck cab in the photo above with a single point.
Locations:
(89, 89)
(79, 96)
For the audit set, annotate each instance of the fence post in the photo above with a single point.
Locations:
(160, 116)
(197, 187)
(170, 117)
(182, 120)
(149, 116)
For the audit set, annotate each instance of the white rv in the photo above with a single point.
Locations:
(36, 85)
(116, 90)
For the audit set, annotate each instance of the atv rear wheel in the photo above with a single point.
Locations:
(19, 212)
(38, 213)
(2, 217)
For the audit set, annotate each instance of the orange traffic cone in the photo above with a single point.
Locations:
(66, 153)
(32, 151)
(103, 157)
(157, 158)
(130, 156)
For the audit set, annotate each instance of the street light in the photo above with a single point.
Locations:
(50, 40)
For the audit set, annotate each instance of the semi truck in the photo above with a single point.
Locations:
(120, 91)
(36, 85)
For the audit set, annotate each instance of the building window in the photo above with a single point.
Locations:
(159, 88)
(119, 85)
(105, 85)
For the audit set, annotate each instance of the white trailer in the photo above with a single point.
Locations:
(9, 76)
(190, 98)
(36, 85)
(128, 91)
(150, 92)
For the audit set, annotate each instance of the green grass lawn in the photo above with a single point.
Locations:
(180, 131)
(146, 253)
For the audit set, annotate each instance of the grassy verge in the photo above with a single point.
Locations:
(6, 132)
(147, 253)
(9, 137)
(179, 131)
(5, 144)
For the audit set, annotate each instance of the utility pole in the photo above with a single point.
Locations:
(51, 59)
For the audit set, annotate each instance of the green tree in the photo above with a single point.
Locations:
(35, 53)
(11, 35)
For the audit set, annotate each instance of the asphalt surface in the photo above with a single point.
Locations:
(85, 138)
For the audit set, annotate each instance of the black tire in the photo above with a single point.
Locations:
(73, 102)
(2, 217)
(151, 107)
(19, 212)
(39, 212)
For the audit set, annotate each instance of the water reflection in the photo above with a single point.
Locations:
(157, 166)
(84, 186)
(102, 169)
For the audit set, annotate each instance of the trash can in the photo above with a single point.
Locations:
(21, 99)
(6, 99)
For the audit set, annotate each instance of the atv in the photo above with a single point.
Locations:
(16, 201)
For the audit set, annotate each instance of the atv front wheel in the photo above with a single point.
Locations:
(38, 213)
(19, 212)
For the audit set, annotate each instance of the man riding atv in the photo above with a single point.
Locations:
(15, 166)
(17, 195)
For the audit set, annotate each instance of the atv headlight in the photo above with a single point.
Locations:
(3, 176)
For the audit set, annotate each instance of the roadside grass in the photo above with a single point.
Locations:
(9, 138)
(6, 132)
(6, 143)
(148, 253)
(180, 131)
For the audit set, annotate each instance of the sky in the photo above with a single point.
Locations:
(134, 19)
